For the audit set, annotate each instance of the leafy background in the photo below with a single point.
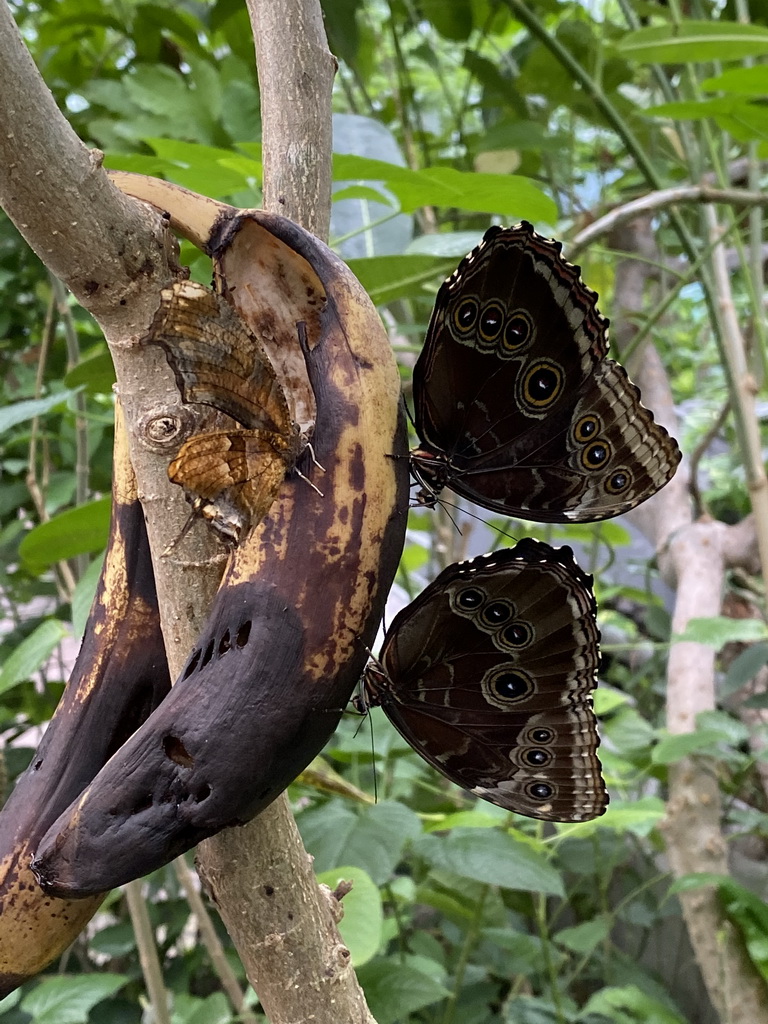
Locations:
(448, 116)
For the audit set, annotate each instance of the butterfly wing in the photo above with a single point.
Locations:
(232, 477)
(216, 360)
(517, 406)
(489, 675)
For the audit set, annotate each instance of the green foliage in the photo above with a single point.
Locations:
(459, 912)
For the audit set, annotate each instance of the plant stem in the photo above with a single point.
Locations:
(469, 941)
(150, 961)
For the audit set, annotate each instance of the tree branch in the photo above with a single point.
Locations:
(260, 876)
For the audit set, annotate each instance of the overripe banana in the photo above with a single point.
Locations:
(303, 594)
(120, 675)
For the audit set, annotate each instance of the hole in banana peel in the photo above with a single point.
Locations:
(243, 633)
(208, 653)
(192, 664)
(177, 752)
(225, 644)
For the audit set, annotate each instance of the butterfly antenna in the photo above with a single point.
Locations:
(473, 515)
(308, 481)
(184, 531)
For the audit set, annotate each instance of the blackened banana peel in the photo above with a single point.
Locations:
(303, 594)
(120, 675)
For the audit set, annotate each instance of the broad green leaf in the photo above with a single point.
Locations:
(214, 1009)
(448, 245)
(19, 412)
(491, 857)
(583, 938)
(476, 818)
(740, 81)
(718, 631)
(114, 940)
(747, 911)
(607, 699)
(371, 838)
(387, 278)
(78, 531)
(641, 1006)
(96, 374)
(68, 999)
(395, 990)
(363, 920)
(744, 668)
(507, 194)
(83, 596)
(200, 167)
(745, 120)
(360, 192)
(637, 816)
(673, 748)
(694, 41)
(32, 653)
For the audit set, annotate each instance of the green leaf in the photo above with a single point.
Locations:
(744, 668)
(740, 81)
(641, 1006)
(507, 194)
(583, 938)
(83, 595)
(96, 374)
(494, 858)
(694, 41)
(69, 999)
(637, 816)
(451, 245)
(371, 838)
(31, 653)
(363, 920)
(395, 990)
(673, 748)
(77, 531)
(387, 278)
(718, 631)
(607, 699)
(19, 412)
(214, 1009)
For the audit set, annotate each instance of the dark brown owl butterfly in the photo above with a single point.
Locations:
(489, 675)
(517, 406)
(230, 477)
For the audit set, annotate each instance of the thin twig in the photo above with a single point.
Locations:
(744, 392)
(696, 456)
(660, 200)
(148, 957)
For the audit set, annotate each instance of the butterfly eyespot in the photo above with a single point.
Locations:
(618, 482)
(469, 599)
(465, 315)
(539, 791)
(505, 685)
(514, 636)
(496, 613)
(536, 758)
(491, 322)
(541, 385)
(518, 332)
(585, 428)
(596, 455)
(542, 735)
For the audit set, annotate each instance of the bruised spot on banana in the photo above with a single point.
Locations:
(304, 591)
(119, 677)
